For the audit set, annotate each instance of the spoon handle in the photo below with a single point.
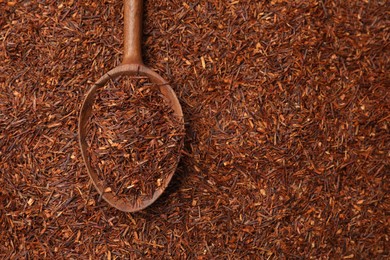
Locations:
(132, 31)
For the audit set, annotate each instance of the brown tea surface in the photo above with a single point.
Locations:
(286, 109)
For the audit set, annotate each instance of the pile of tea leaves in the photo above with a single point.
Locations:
(134, 138)
(286, 149)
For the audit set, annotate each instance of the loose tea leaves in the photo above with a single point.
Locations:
(287, 130)
(134, 137)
